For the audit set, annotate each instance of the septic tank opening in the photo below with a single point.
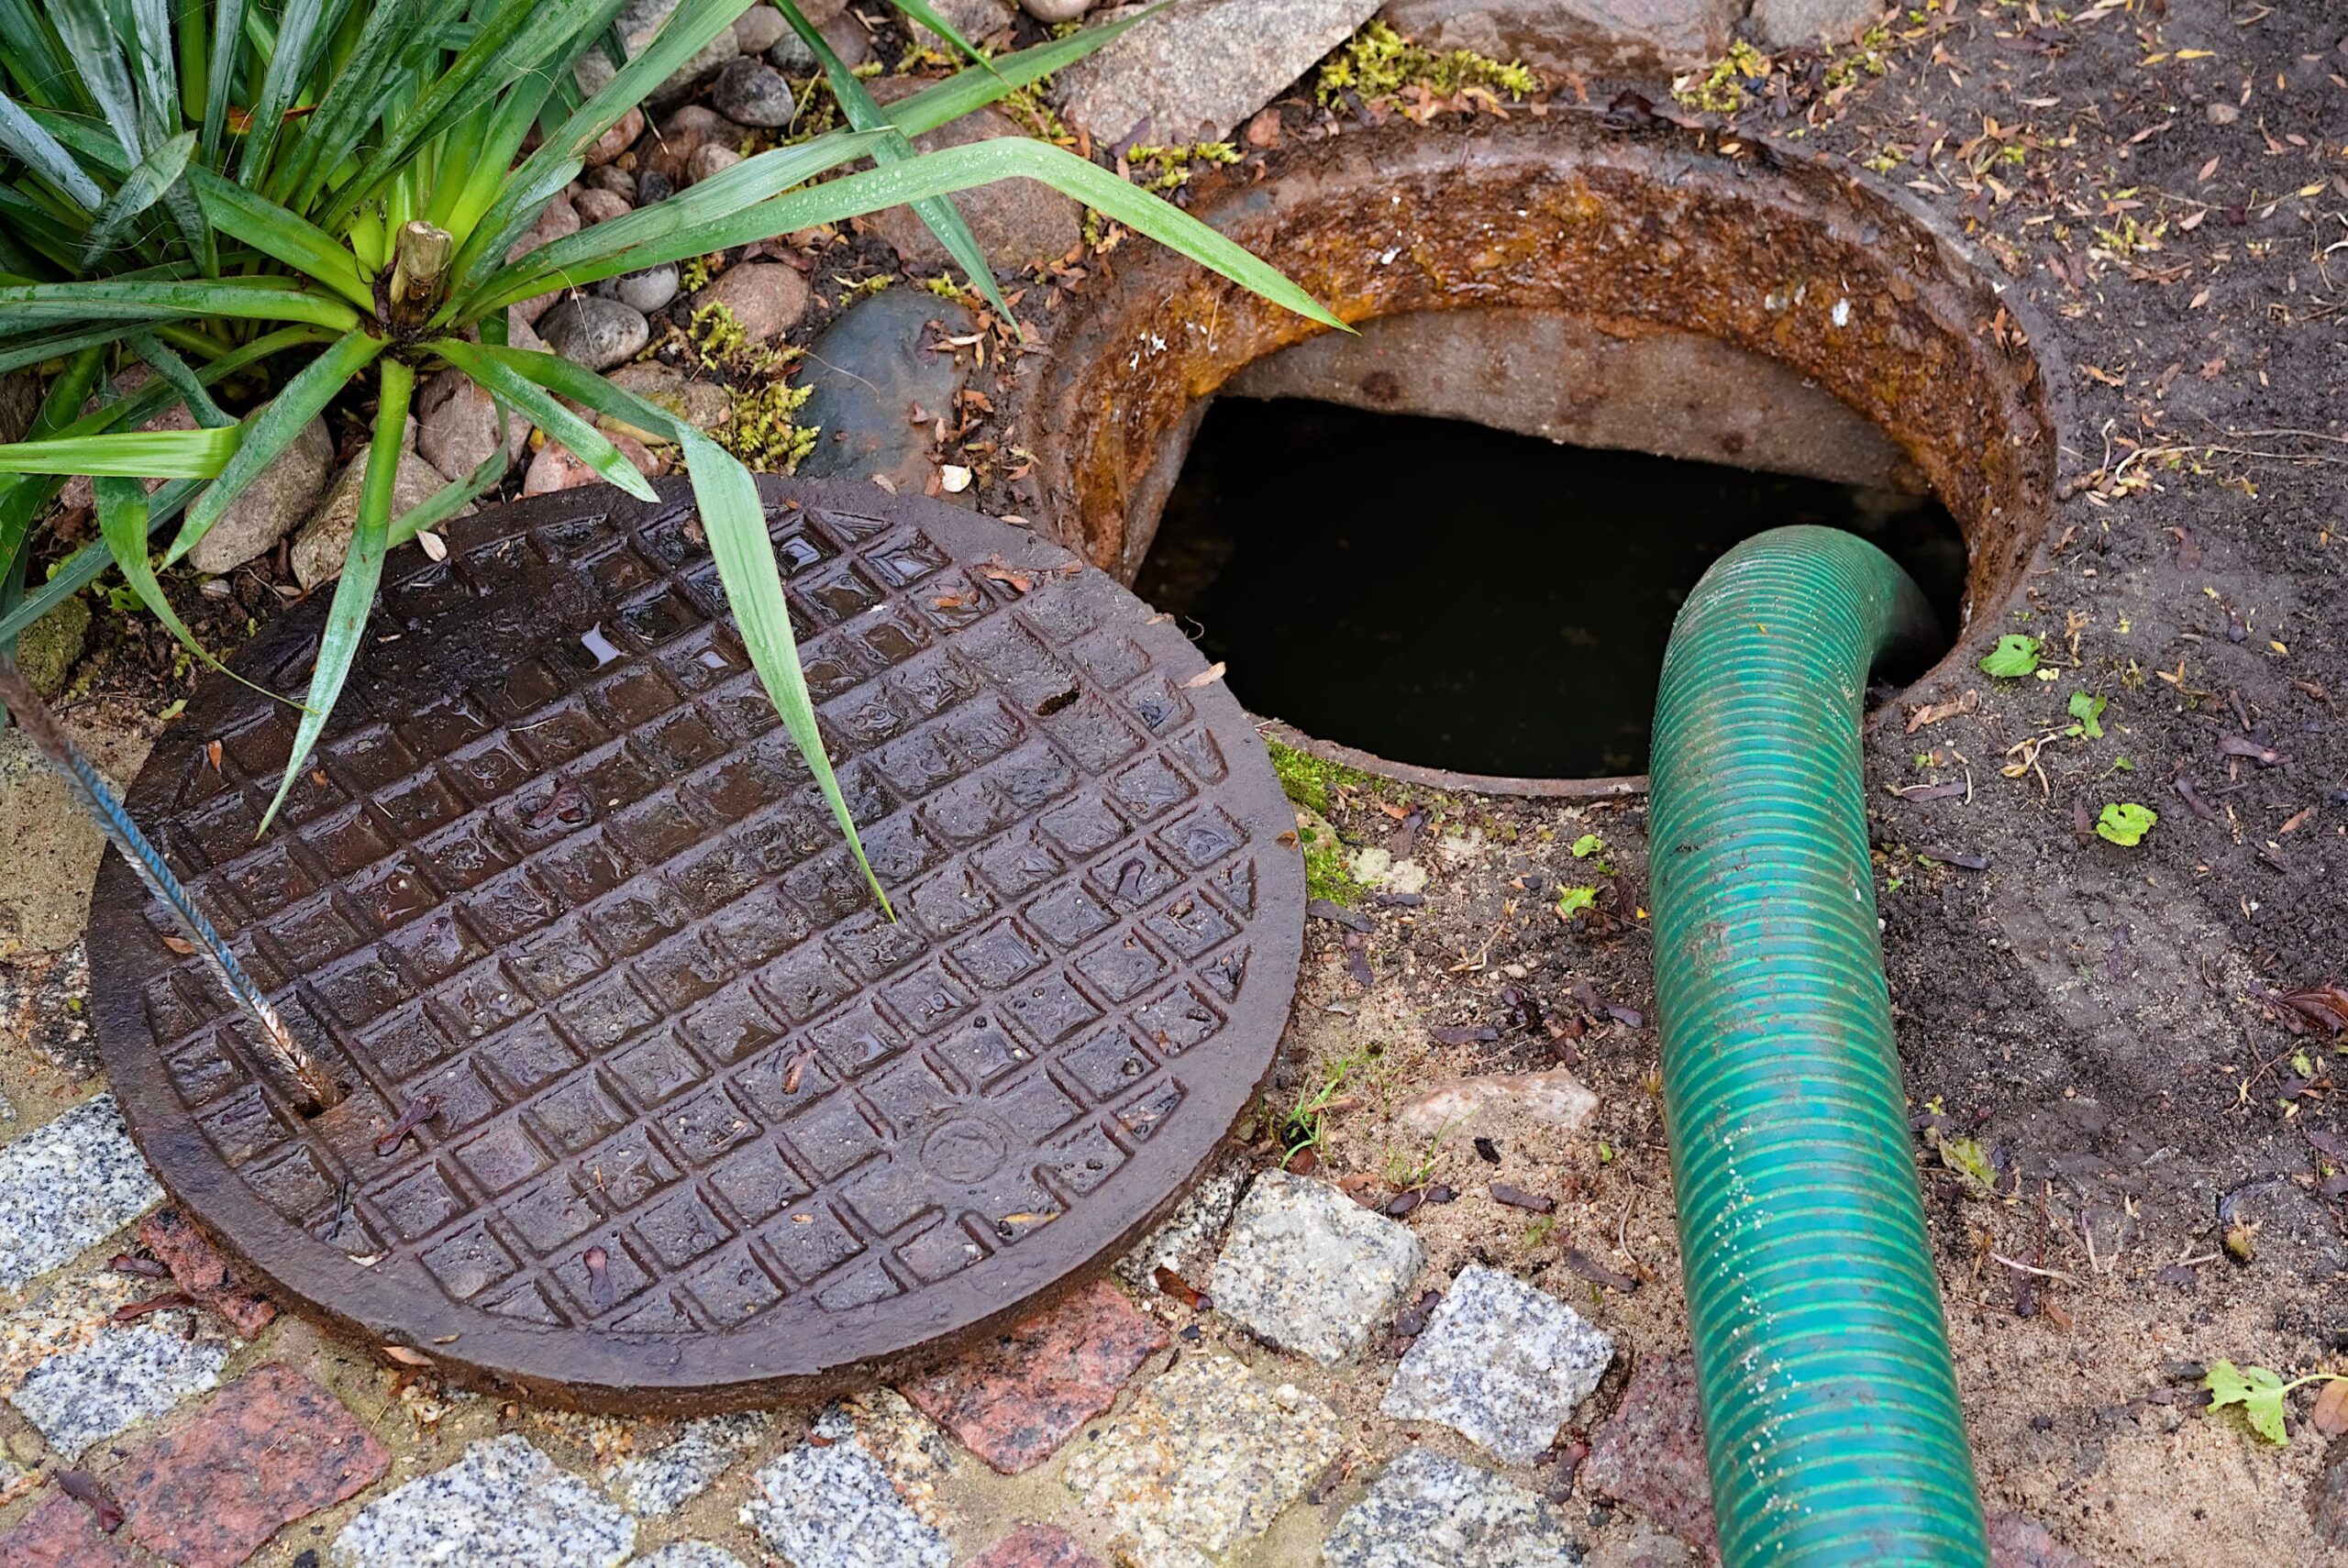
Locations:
(1657, 289)
(1443, 594)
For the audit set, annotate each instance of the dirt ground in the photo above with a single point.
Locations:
(2168, 183)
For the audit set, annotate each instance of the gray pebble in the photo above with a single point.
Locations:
(751, 94)
(594, 332)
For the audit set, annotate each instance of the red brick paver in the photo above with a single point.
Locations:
(1035, 1546)
(59, 1533)
(267, 1449)
(1651, 1455)
(1016, 1398)
(200, 1270)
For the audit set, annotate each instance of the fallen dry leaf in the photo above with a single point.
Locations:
(2327, 1005)
(2331, 1412)
(1933, 712)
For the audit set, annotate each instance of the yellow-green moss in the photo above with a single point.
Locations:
(1308, 779)
(1328, 870)
(763, 430)
(716, 334)
(1379, 63)
(1722, 89)
(1163, 169)
(694, 272)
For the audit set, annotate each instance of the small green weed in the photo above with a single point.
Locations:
(2262, 1396)
(2125, 823)
(2088, 711)
(2015, 655)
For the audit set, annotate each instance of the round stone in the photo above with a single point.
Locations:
(594, 331)
(751, 93)
(648, 1105)
(768, 298)
(598, 205)
(650, 290)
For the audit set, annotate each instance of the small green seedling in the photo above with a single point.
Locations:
(2125, 823)
(1571, 901)
(1589, 844)
(2088, 711)
(2262, 1394)
(2015, 655)
(1969, 1159)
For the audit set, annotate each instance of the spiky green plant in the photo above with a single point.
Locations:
(316, 192)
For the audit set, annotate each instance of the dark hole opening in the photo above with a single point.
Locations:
(1441, 593)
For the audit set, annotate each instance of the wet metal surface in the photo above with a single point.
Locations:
(649, 1107)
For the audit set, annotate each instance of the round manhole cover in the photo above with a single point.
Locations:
(703, 1127)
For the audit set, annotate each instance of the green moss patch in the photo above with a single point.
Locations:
(1308, 780)
(1379, 63)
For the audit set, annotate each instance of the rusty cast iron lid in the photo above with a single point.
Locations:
(705, 1128)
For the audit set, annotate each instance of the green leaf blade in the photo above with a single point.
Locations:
(137, 454)
(735, 521)
(736, 525)
(362, 570)
(273, 427)
(586, 443)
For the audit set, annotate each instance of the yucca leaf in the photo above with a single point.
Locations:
(559, 157)
(927, 15)
(23, 137)
(89, 140)
(362, 568)
(460, 202)
(735, 526)
(937, 174)
(173, 371)
(966, 89)
(22, 496)
(187, 214)
(229, 18)
(351, 105)
(686, 32)
(516, 38)
(151, 60)
(745, 184)
(288, 238)
(297, 26)
(937, 214)
(38, 350)
(146, 185)
(29, 53)
(256, 299)
(89, 37)
(586, 443)
(122, 523)
(141, 454)
(273, 427)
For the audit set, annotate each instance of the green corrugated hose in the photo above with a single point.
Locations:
(1830, 1403)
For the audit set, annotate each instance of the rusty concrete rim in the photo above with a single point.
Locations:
(1617, 787)
(1748, 239)
(1209, 899)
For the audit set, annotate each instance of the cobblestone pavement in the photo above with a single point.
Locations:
(158, 1410)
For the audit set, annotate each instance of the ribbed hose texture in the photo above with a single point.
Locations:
(1830, 1403)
